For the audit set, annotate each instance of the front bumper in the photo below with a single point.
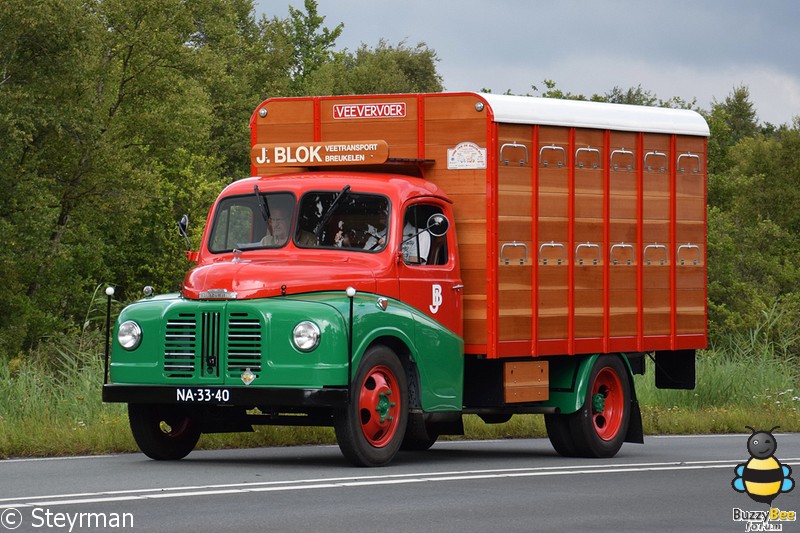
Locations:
(226, 396)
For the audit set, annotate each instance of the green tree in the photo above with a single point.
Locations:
(313, 43)
(631, 96)
(754, 226)
(740, 113)
(115, 117)
(47, 143)
(553, 91)
(730, 121)
(382, 69)
(639, 96)
(241, 62)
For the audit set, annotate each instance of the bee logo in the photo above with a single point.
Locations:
(762, 477)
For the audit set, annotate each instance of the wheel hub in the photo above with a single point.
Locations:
(598, 403)
(384, 406)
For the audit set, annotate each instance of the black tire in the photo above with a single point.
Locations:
(599, 428)
(418, 437)
(163, 432)
(560, 434)
(371, 428)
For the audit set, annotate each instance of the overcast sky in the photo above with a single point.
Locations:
(692, 49)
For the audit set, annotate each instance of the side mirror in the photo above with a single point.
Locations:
(183, 226)
(438, 225)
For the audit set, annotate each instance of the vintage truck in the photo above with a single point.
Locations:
(399, 261)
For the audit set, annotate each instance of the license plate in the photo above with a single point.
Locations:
(202, 395)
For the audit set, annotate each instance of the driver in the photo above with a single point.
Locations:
(279, 224)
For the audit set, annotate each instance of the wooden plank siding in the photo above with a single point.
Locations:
(573, 239)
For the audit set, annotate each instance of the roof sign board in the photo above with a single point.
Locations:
(369, 110)
(317, 154)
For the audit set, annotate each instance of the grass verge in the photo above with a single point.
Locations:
(50, 405)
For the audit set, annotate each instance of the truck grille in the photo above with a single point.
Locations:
(244, 344)
(179, 346)
(210, 343)
(199, 344)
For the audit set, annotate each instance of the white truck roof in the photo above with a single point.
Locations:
(599, 115)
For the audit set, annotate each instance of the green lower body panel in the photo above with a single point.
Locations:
(243, 352)
(569, 377)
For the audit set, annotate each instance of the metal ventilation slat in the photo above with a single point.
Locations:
(180, 346)
(244, 344)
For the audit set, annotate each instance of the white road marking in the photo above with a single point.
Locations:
(66, 458)
(712, 436)
(358, 481)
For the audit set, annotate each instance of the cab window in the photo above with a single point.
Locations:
(342, 219)
(240, 222)
(419, 246)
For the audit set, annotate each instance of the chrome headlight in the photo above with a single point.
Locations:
(306, 336)
(129, 335)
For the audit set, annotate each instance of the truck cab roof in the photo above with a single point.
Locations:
(397, 187)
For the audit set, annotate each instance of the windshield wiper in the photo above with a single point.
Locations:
(328, 212)
(262, 203)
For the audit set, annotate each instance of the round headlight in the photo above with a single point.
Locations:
(306, 336)
(129, 335)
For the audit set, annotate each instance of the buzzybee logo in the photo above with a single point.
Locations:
(762, 477)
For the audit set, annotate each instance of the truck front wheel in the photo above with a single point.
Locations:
(371, 428)
(163, 432)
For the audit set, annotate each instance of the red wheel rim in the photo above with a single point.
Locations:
(379, 406)
(608, 403)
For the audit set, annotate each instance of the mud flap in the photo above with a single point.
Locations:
(635, 430)
(445, 422)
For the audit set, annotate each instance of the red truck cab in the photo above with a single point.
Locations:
(367, 242)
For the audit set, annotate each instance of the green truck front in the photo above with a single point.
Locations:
(291, 334)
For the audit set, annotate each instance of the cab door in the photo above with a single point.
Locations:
(428, 268)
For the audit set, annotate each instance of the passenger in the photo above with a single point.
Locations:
(376, 234)
(342, 237)
(416, 244)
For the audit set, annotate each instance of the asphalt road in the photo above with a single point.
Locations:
(668, 484)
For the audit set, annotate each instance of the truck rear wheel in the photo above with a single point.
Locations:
(598, 429)
(371, 428)
(560, 434)
(163, 432)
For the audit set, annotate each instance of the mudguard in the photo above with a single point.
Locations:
(436, 352)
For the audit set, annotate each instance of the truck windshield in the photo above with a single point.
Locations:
(357, 222)
(239, 222)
